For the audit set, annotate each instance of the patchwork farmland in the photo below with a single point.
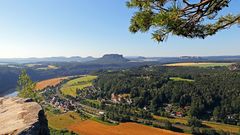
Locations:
(200, 64)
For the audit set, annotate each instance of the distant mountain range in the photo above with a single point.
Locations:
(183, 59)
(45, 68)
(47, 59)
(118, 59)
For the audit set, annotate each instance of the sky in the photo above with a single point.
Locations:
(46, 28)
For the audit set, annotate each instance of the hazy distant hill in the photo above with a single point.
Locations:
(183, 59)
(78, 65)
(116, 58)
(47, 59)
(110, 59)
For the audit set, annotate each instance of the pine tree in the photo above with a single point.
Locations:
(191, 19)
(25, 86)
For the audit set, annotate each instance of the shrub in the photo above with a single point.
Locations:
(209, 132)
(195, 131)
(194, 122)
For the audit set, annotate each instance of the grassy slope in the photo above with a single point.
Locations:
(216, 126)
(79, 83)
(62, 121)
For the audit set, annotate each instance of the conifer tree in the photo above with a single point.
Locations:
(25, 86)
(186, 18)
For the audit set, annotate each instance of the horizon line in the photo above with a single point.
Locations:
(226, 55)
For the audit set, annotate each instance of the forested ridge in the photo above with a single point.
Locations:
(9, 75)
(212, 94)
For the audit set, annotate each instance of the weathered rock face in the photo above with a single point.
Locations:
(22, 117)
(234, 67)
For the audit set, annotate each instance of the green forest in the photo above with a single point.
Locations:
(212, 94)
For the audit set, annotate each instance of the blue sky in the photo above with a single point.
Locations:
(43, 28)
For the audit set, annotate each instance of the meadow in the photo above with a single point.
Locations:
(198, 64)
(62, 121)
(41, 66)
(180, 79)
(214, 125)
(70, 88)
(49, 67)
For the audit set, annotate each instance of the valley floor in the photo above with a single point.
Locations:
(86, 120)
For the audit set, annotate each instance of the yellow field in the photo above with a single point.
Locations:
(62, 121)
(70, 88)
(196, 64)
(73, 122)
(89, 127)
(49, 67)
(50, 82)
(216, 126)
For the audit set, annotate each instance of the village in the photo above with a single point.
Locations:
(54, 98)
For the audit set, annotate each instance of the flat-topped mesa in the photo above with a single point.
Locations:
(22, 117)
(110, 59)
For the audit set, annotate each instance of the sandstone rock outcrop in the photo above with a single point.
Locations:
(22, 117)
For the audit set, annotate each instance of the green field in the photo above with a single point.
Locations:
(180, 79)
(32, 65)
(199, 64)
(214, 125)
(70, 88)
(62, 121)
(96, 102)
(49, 67)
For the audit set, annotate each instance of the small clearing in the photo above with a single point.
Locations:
(180, 79)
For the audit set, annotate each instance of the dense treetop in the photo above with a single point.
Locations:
(213, 93)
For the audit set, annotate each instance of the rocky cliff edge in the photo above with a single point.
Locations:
(22, 117)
